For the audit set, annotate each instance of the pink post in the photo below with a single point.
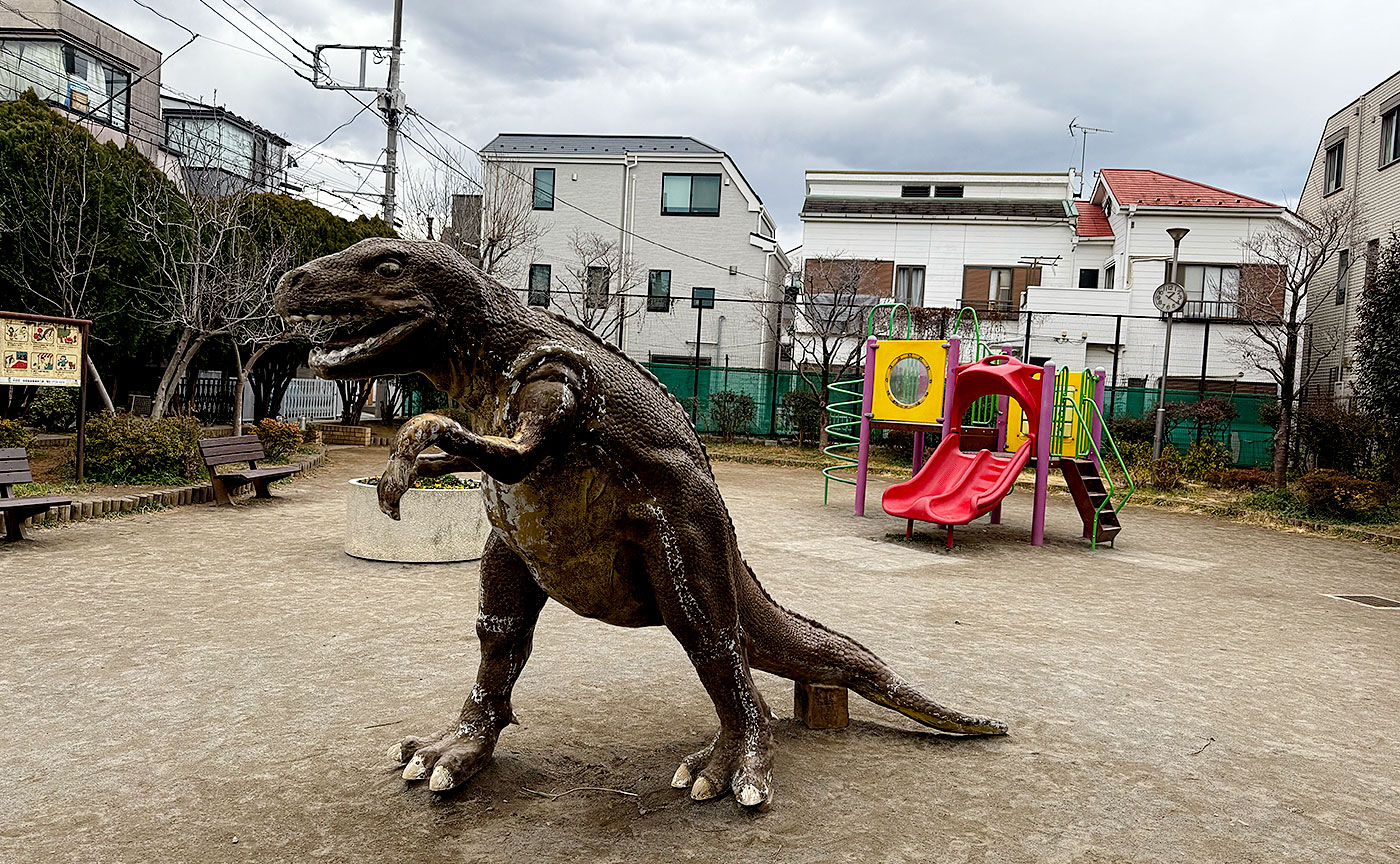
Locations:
(1044, 422)
(867, 400)
(1096, 424)
(950, 378)
(1003, 403)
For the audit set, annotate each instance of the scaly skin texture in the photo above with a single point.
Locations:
(599, 494)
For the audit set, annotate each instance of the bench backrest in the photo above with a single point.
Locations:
(14, 468)
(223, 451)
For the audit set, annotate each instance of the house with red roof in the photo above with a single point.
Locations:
(1080, 270)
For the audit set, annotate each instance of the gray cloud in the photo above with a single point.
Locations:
(1233, 94)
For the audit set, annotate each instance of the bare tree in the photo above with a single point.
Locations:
(56, 212)
(597, 282)
(508, 223)
(826, 331)
(192, 237)
(251, 272)
(1281, 296)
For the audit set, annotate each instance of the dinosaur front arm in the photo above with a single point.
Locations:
(542, 409)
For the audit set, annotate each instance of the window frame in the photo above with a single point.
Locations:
(1343, 273)
(1092, 272)
(1339, 147)
(597, 285)
(1390, 126)
(531, 296)
(657, 302)
(691, 211)
(923, 283)
(1110, 273)
(535, 188)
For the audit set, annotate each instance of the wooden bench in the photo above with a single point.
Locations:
(243, 448)
(14, 468)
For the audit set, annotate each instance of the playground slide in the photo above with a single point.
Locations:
(953, 487)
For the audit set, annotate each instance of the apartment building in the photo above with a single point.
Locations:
(645, 239)
(1357, 164)
(221, 152)
(1081, 272)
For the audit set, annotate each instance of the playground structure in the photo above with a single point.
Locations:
(994, 415)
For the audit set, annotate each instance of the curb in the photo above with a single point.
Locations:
(181, 496)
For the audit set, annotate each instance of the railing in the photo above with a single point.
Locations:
(211, 400)
(1097, 451)
(312, 398)
(1201, 310)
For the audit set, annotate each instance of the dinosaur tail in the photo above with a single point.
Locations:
(787, 644)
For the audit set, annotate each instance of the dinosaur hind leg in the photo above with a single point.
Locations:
(510, 603)
(787, 644)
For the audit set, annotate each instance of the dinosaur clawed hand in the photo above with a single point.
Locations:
(729, 764)
(397, 478)
(446, 761)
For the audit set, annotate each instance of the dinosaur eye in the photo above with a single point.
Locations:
(389, 269)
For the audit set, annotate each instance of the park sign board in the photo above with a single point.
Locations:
(38, 352)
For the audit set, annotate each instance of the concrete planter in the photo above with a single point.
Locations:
(437, 525)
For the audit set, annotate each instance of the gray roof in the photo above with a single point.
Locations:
(1038, 208)
(604, 145)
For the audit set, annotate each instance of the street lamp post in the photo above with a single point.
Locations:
(1170, 298)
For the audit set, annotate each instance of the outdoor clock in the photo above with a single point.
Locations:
(1169, 297)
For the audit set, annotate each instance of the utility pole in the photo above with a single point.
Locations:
(391, 102)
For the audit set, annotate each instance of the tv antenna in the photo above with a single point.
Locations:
(1084, 132)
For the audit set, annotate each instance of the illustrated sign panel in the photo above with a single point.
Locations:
(37, 352)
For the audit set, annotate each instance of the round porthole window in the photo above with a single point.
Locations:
(908, 380)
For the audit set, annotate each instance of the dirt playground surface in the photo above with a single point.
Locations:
(210, 685)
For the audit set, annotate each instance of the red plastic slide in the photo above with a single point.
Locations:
(953, 487)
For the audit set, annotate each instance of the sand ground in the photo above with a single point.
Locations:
(207, 685)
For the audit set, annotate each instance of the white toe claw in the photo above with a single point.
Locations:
(702, 789)
(441, 780)
(417, 769)
(749, 796)
(682, 778)
(396, 753)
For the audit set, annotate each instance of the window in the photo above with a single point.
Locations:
(1108, 273)
(913, 191)
(999, 290)
(1343, 265)
(1373, 260)
(595, 291)
(63, 75)
(539, 285)
(1390, 136)
(659, 291)
(1088, 278)
(1336, 166)
(1212, 291)
(690, 194)
(544, 189)
(909, 286)
(951, 190)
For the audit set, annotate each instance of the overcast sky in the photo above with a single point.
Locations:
(1226, 92)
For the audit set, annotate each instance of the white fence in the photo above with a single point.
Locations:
(312, 398)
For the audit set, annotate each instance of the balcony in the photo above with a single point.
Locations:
(1211, 310)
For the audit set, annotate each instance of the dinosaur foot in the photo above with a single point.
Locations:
(446, 761)
(727, 765)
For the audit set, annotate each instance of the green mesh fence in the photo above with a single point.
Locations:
(758, 384)
(1249, 438)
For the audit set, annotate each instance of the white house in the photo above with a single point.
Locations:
(1080, 272)
(630, 229)
(1358, 159)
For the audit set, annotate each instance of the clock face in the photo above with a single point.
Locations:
(1169, 297)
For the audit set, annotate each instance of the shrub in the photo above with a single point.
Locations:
(1211, 415)
(122, 449)
(1132, 430)
(1136, 454)
(13, 434)
(803, 410)
(1331, 493)
(54, 409)
(1239, 478)
(1336, 436)
(1205, 457)
(1270, 497)
(279, 437)
(732, 413)
(1164, 473)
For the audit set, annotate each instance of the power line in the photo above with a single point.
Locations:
(294, 55)
(207, 5)
(298, 42)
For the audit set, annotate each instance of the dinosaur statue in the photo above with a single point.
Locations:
(599, 494)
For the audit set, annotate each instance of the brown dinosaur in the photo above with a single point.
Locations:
(599, 493)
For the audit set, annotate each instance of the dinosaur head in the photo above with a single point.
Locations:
(381, 297)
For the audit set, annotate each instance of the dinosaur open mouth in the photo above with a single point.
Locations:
(356, 335)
